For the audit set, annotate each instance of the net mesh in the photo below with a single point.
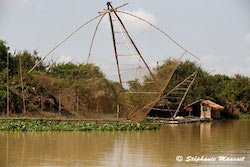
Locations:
(128, 82)
(87, 97)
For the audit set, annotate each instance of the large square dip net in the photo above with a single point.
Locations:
(124, 73)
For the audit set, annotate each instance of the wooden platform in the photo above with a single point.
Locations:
(179, 121)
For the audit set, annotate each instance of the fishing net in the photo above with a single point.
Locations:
(126, 85)
(89, 96)
(99, 97)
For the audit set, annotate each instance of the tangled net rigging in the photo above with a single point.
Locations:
(88, 93)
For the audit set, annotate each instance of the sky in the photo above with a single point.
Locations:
(217, 31)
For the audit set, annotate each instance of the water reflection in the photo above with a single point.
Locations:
(144, 148)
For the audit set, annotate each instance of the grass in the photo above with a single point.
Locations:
(41, 125)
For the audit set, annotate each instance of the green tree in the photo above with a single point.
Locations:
(4, 51)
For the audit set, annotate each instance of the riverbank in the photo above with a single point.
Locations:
(45, 125)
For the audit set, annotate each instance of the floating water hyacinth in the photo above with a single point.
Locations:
(39, 125)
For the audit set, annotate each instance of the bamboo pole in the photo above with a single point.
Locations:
(8, 100)
(117, 111)
(41, 102)
(77, 103)
(21, 75)
(126, 41)
(115, 51)
(137, 50)
(97, 106)
(76, 30)
(59, 99)
(133, 114)
(194, 75)
(93, 38)
(168, 36)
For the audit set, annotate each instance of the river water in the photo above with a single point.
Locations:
(131, 148)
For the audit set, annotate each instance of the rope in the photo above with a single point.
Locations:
(168, 36)
(159, 98)
(64, 41)
(93, 38)
(125, 39)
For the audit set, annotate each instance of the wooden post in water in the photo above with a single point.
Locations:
(21, 75)
(8, 100)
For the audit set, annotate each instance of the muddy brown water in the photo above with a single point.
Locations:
(130, 148)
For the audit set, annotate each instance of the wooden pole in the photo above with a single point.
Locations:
(93, 38)
(201, 113)
(8, 100)
(137, 50)
(21, 75)
(157, 28)
(76, 30)
(97, 106)
(115, 50)
(77, 103)
(59, 104)
(41, 102)
(184, 96)
(118, 111)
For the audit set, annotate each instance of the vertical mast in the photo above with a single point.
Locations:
(131, 40)
(115, 49)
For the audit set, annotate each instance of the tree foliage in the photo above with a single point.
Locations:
(92, 84)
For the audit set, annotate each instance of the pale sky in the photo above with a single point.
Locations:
(217, 31)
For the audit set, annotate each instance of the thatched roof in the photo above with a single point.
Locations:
(205, 102)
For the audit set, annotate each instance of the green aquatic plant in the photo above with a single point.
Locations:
(244, 116)
(42, 125)
(147, 121)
